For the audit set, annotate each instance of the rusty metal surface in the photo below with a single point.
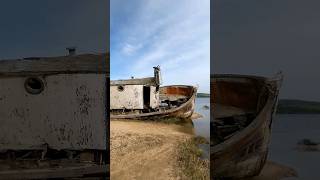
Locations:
(242, 95)
(177, 90)
(68, 114)
(243, 154)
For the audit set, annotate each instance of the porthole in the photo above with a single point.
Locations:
(120, 88)
(34, 85)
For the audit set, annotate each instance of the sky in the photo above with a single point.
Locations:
(264, 37)
(172, 34)
(45, 28)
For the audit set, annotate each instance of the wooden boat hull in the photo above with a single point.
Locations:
(183, 111)
(244, 154)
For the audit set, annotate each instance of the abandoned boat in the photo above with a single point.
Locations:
(243, 109)
(145, 99)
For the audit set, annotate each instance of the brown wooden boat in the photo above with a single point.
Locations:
(176, 101)
(243, 109)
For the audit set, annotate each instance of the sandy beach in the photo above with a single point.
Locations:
(145, 150)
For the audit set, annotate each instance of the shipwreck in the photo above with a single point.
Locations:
(241, 121)
(53, 117)
(144, 98)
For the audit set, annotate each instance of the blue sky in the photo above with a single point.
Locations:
(172, 34)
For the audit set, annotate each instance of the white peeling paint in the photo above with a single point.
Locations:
(68, 114)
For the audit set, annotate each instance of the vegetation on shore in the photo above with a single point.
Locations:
(171, 120)
(292, 106)
(190, 162)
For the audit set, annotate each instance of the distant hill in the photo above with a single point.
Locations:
(202, 95)
(289, 106)
(292, 106)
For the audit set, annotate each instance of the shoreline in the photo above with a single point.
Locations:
(144, 150)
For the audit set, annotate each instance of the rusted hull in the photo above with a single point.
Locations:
(245, 153)
(183, 111)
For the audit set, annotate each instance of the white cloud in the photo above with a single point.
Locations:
(129, 49)
(174, 35)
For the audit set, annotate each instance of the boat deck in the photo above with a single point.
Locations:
(228, 120)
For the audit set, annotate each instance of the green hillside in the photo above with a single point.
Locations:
(292, 106)
(203, 95)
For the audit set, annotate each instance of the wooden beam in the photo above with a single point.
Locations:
(85, 63)
(65, 172)
(142, 81)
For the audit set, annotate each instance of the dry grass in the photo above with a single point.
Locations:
(189, 161)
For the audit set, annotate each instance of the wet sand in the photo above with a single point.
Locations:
(275, 171)
(196, 115)
(145, 150)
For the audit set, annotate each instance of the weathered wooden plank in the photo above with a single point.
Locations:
(142, 81)
(85, 63)
(65, 172)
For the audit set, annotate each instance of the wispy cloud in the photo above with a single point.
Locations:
(172, 34)
(129, 49)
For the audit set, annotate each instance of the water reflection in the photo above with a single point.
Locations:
(202, 125)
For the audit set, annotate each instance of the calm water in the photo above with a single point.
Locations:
(287, 131)
(202, 125)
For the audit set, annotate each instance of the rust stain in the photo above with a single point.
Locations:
(84, 100)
